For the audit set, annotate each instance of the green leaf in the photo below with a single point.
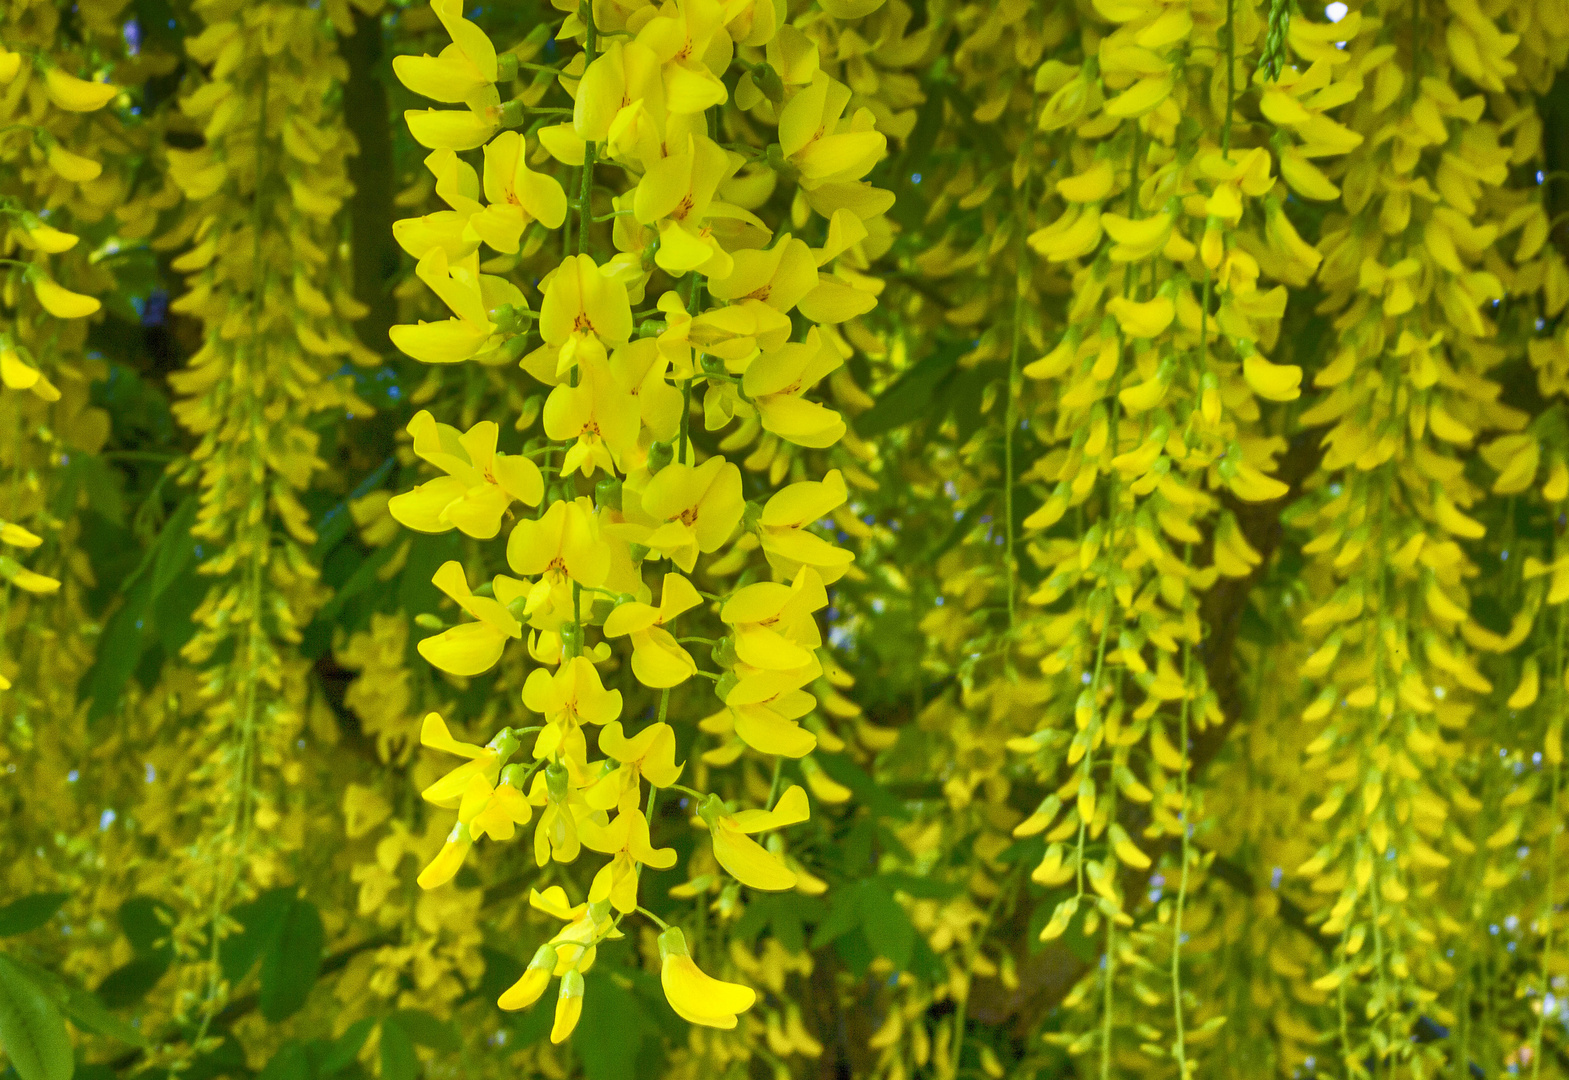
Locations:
(129, 630)
(843, 916)
(912, 393)
(288, 1062)
(32, 1031)
(147, 923)
(398, 1061)
(335, 524)
(428, 1031)
(291, 962)
(176, 546)
(30, 912)
(922, 888)
(611, 1030)
(887, 927)
(346, 1047)
(131, 981)
(82, 1007)
(261, 920)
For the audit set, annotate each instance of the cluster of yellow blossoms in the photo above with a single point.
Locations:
(42, 108)
(621, 481)
(1196, 551)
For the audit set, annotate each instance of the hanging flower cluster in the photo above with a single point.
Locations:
(696, 310)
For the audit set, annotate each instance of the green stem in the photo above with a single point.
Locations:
(662, 924)
(1552, 859)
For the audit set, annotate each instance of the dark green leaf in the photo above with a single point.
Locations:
(843, 916)
(502, 969)
(131, 981)
(83, 1008)
(128, 632)
(531, 1025)
(30, 912)
(398, 1061)
(912, 394)
(335, 524)
(291, 962)
(887, 928)
(922, 888)
(32, 1031)
(176, 546)
(854, 950)
(146, 923)
(346, 1047)
(228, 1059)
(611, 1030)
(428, 1031)
(866, 790)
(288, 1062)
(261, 921)
(119, 648)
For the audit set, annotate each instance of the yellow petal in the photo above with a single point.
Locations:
(77, 95)
(61, 302)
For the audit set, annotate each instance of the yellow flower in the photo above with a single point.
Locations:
(626, 838)
(650, 755)
(449, 129)
(772, 624)
(744, 858)
(77, 95)
(472, 296)
(639, 368)
(775, 382)
(19, 375)
(72, 167)
(568, 698)
(598, 414)
(560, 548)
(25, 579)
(681, 37)
(657, 659)
(479, 486)
(556, 835)
(464, 70)
(569, 1006)
(583, 312)
(457, 184)
(820, 143)
(782, 528)
(482, 811)
(484, 761)
(472, 648)
(697, 997)
(775, 278)
(531, 984)
(517, 195)
(34, 234)
(677, 193)
(59, 301)
(765, 706)
(621, 82)
(699, 508)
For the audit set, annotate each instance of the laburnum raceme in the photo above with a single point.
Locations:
(259, 196)
(43, 105)
(689, 309)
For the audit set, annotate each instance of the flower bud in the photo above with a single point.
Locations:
(769, 82)
(608, 492)
(660, 454)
